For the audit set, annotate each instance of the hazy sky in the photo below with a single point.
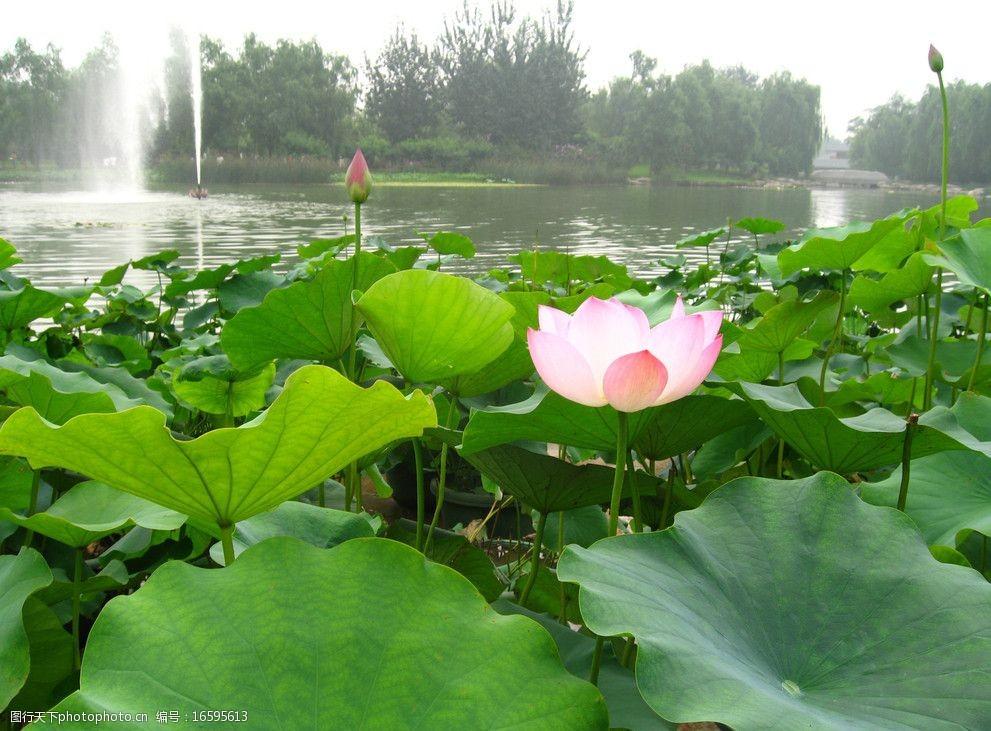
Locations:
(860, 52)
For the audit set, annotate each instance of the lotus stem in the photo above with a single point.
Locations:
(668, 490)
(934, 330)
(837, 338)
(441, 477)
(617, 484)
(33, 504)
(421, 498)
(634, 493)
(227, 541)
(781, 441)
(910, 426)
(322, 494)
(560, 549)
(980, 346)
(77, 588)
(538, 540)
(593, 676)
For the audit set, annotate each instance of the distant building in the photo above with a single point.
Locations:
(833, 155)
(831, 168)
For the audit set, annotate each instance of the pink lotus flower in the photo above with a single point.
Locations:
(358, 180)
(607, 353)
(935, 59)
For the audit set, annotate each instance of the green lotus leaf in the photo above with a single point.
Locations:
(20, 307)
(213, 385)
(756, 225)
(543, 482)
(50, 650)
(375, 637)
(436, 326)
(134, 388)
(548, 417)
(318, 424)
(513, 365)
(56, 394)
(248, 290)
(20, 577)
(627, 709)
(308, 320)
(583, 526)
(113, 577)
(455, 551)
(703, 238)
(877, 295)
(840, 248)
(690, 422)
(16, 477)
(450, 242)
(8, 255)
(117, 350)
(968, 255)
(783, 323)
(953, 357)
(858, 443)
(320, 527)
(758, 610)
(319, 247)
(559, 268)
(92, 510)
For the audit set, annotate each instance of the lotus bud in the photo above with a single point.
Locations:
(358, 180)
(935, 59)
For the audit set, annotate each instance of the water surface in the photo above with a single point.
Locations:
(65, 236)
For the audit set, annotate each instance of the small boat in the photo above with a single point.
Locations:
(198, 192)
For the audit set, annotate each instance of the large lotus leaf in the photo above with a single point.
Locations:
(543, 482)
(92, 510)
(858, 443)
(560, 268)
(51, 652)
(703, 238)
(953, 357)
(450, 242)
(948, 493)
(968, 256)
(309, 320)
(213, 385)
(436, 326)
(783, 323)
(321, 527)
(56, 394)
(548, 417)
(374, 637)
(782, 605)
(133, 388)
(513, 365)
(627, 709)
(877, 295)
(688, 423)
(319, 423)
(20, 577)
(837, 249)
(20, 307)
(457, 552)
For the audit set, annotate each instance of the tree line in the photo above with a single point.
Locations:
(897, 138)
(492, 84)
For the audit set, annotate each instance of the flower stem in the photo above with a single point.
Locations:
(836, 339)
(617, 484)
(593, 676)
(77, 587)
(441, 478)
(980, 346)
(421, 498)
(535, 566)
(33, 504)
(910, 425)
(631, 475)
(227, 541)
(781, 442)
(934, 331)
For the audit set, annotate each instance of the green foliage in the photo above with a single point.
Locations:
(744, 613)
(372, 606)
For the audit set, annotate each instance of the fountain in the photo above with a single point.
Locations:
(196, 89)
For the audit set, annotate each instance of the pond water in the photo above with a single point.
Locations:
(65, 236)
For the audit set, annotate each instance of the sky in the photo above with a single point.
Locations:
(859, 52)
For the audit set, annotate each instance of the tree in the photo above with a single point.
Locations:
(403, 96)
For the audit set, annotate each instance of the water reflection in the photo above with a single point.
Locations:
(66, 236)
